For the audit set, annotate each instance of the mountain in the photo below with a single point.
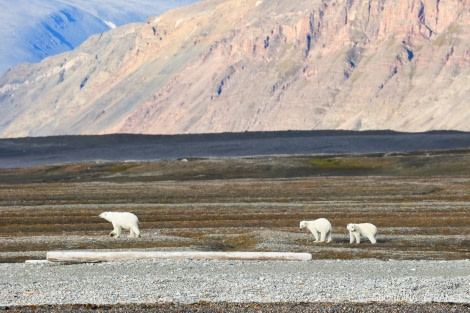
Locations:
(34, 29)
(254, 65)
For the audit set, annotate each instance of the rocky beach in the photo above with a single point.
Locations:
(279, 285)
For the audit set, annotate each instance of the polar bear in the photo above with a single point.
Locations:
(321, 225)
(124, 220)
(365, 229)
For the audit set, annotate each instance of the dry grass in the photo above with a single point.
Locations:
(419, 202)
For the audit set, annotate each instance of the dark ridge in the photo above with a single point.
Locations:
(32, 151)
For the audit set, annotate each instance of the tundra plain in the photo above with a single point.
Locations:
(419, 201)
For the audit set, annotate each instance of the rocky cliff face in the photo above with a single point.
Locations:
(249, 65)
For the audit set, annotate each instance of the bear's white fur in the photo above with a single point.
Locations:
(124, 220)
(321, 225)
(365, 229)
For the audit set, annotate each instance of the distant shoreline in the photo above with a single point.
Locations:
(34, 151)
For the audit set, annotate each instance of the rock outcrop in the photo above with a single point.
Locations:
(250, 65)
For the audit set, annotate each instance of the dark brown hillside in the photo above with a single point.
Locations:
(56, 150)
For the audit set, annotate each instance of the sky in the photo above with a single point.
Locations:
(33, 29)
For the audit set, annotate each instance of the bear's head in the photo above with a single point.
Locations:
(303, 224)
(351, 227)
(105, 215)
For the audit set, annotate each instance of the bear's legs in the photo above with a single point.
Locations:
(315, 234)
(372, 239)
(134, 232)
(116, 232)
(351, 237)
(322, 237)
(329, 236)
(358, 237)
(354, 235)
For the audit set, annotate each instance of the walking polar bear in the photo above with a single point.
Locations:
(121, 220)
(319, 226)
(365, 229)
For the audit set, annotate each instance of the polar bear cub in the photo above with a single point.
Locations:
(319, 226)
(121, 220)
(365, 229)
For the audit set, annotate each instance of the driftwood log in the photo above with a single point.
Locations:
(104, 256)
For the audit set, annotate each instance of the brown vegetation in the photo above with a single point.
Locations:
(418, 201)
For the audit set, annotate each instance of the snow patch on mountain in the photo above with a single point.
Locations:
(110, 24)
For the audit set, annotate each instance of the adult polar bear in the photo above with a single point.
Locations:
(121, 220)
(365, 229)
(319, 226)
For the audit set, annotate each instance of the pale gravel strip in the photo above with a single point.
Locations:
(189, 281)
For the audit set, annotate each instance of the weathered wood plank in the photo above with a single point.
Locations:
(37, 262)
(104, 256)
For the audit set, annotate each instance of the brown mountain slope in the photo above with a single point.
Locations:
(238, 65)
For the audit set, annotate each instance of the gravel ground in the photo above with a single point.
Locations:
(211, 307)
(239, 286)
